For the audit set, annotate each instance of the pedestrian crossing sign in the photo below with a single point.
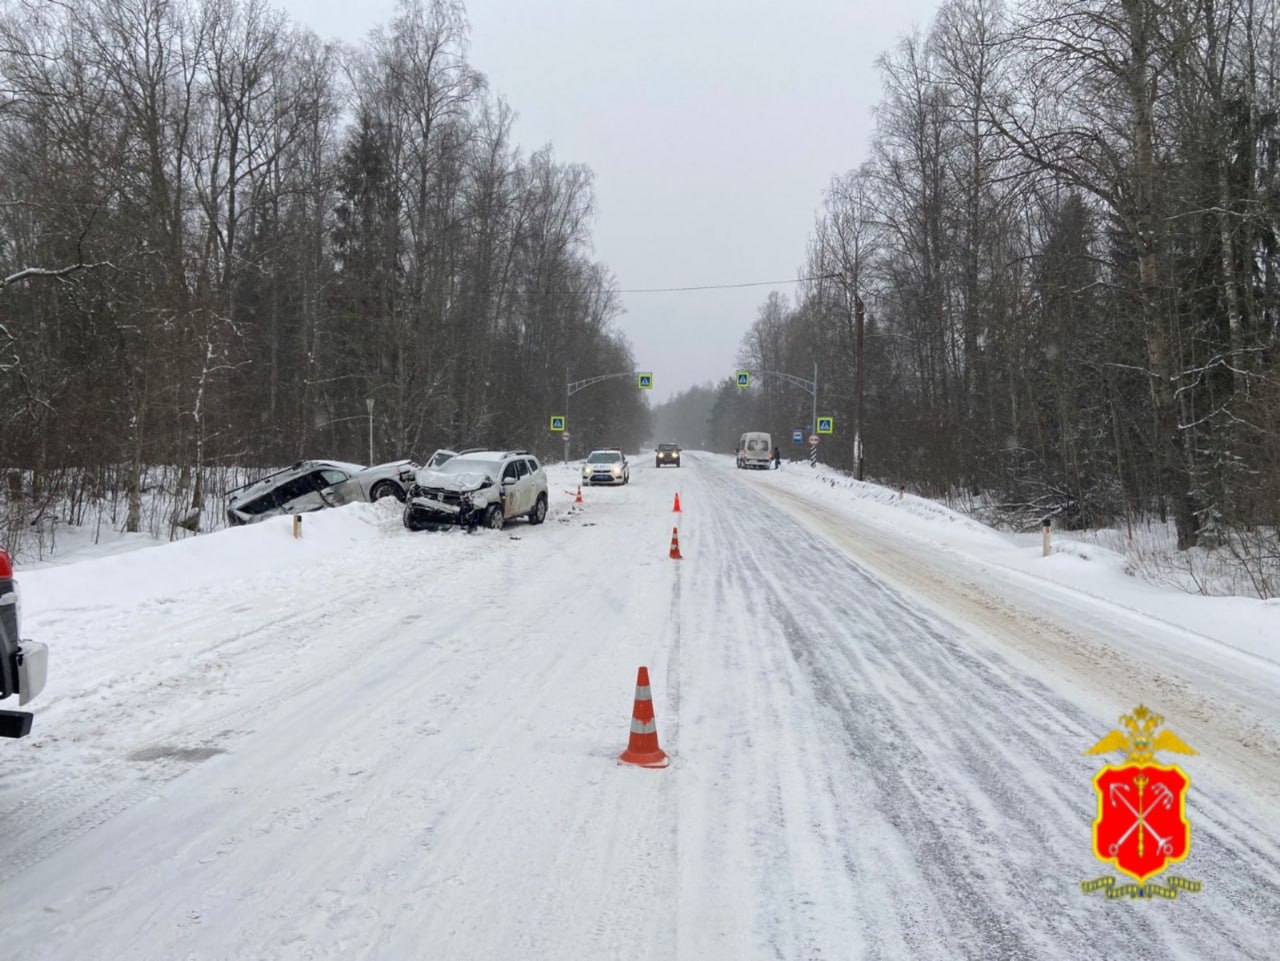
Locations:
(557, 422)
(645, 381)
(744, 378)
(826, 425)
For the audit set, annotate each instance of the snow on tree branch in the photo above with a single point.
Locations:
(59, 273)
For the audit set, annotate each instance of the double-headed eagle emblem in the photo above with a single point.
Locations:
(1139, 744)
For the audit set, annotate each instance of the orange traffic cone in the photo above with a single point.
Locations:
(578, 499)
(642, 748)
(674, 554)
(676, 508)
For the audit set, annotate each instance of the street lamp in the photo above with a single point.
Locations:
(859, 314)
(368, 403)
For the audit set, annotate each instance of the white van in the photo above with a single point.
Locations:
(755, 449)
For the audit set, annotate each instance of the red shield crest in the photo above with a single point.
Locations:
(1142, 826)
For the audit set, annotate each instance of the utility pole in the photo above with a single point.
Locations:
(368, 403)
(859, 314)
(813, 421)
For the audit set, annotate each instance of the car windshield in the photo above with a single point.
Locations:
(666, 447)
(468, 465)
(604, 457)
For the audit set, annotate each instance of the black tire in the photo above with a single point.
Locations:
(415, 521)
(493, 518)
(539, 512)
(657, 463)
(386, 488)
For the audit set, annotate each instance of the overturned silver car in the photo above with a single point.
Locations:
(481, 488)
(310, 485)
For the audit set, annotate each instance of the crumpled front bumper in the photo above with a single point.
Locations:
(448, 507)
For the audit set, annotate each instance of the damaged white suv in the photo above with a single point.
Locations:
(483, 488)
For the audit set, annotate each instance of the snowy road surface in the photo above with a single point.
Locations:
(369, 743)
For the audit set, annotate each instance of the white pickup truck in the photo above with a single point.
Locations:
(23, 664)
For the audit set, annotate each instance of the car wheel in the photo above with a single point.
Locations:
(415, 522)
(657, 463)
(539, 512)
(493, 517)
(386, 489)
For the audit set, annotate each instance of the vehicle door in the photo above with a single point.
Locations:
(535, 482)
(338, 487)
(511, 488)
(528, 486)
(300, 495)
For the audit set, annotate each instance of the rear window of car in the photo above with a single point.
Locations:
(757, 444)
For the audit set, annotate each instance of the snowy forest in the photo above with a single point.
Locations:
(225, 242)
(1064, 236)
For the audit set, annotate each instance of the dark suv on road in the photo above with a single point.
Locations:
(667, 454)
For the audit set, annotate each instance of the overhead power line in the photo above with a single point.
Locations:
(755, 283)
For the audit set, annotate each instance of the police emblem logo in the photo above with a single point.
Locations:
(1141, 826)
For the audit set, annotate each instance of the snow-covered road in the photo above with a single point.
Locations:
(374, 744)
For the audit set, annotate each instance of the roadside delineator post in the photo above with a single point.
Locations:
(642, 747)
(1046, 525)
(676, 507)
(674, 553)
(297, 525)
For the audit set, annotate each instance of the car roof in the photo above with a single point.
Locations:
(482, 454)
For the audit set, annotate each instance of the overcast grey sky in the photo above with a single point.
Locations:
(712, 127)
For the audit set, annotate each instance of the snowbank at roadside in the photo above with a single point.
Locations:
(1246, 624)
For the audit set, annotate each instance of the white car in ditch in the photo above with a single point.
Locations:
(311, 485)
(479, 488)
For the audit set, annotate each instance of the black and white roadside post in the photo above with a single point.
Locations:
(822, 425)
(1046, 525)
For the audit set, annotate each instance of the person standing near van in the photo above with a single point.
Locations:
(777, 456)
